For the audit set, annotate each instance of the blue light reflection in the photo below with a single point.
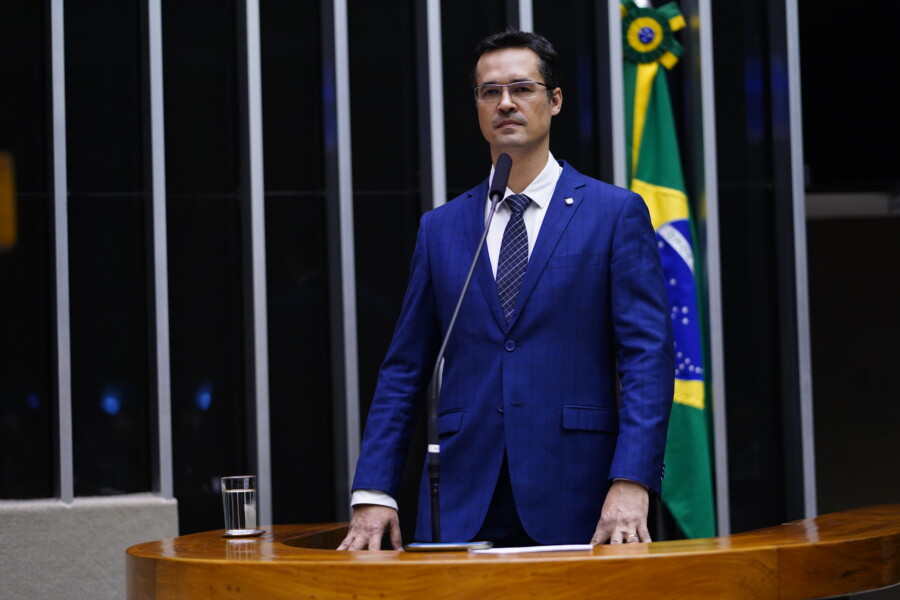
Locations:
(204, 398)
(111, 404)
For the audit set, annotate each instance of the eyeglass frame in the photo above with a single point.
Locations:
(503, 85)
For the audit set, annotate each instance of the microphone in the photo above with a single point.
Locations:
(498, 187)
(501, 178)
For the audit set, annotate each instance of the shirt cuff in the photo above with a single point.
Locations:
(624, 479)
(372, 497)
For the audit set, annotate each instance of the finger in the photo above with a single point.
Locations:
(396, 537)
(601, 535)
(347, 541)
(359, 543)
(632, 538)
(358, 539)
(375, 541)
(644, 533)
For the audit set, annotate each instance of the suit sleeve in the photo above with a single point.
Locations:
(402, 379)
(644, 347)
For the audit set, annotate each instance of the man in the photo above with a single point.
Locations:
(557, 383)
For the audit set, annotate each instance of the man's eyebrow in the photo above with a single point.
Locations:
(515, 80)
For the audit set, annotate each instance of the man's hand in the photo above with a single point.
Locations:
(368, 525)
(624, 514)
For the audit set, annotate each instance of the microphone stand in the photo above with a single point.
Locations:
(434, 448)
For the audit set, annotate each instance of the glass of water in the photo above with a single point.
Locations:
(239, 502)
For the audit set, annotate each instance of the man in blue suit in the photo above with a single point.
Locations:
(557, 383)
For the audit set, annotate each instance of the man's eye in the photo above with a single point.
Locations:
(523, 89)
(491, 92)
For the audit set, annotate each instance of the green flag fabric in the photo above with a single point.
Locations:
(654, 172)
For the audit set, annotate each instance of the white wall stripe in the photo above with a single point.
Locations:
(65, 480)
(164, 473)
(260, 337)
(798, 197)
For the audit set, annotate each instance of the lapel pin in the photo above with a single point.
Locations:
(569, 201)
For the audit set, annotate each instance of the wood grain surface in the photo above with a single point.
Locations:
(829, 555)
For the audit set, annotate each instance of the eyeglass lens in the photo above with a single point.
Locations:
(519, 90)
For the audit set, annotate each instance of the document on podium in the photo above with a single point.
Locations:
(532, 549)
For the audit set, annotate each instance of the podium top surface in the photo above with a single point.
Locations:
(833, 554)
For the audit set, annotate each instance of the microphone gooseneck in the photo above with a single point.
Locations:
(498, 188)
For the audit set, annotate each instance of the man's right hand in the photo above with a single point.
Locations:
(368, 525)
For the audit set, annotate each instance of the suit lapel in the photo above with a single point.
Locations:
(559, 215)
(483, 271)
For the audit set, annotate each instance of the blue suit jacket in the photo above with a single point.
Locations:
(576, 388)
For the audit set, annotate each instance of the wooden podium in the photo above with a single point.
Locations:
(834, 554)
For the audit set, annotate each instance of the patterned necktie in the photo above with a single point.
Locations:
(513, 254)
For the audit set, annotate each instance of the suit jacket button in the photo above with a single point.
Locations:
(510, 345)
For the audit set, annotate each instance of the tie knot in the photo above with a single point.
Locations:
(518, 203)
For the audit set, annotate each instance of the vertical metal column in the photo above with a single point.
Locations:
(436, 104)
(164, 471)
(714, 267)
(790, 251)
(65, 476)
(526, 15)
(341, 251)
(616, 92)
(798, 196)
(257, 265)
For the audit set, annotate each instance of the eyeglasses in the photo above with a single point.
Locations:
(518, 90)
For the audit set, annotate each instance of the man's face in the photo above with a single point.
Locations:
(510, 124)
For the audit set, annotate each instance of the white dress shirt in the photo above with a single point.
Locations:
(540, 190)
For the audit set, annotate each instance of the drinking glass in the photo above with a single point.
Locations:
(239, 502)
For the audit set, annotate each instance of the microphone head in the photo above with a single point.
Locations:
(501, 177)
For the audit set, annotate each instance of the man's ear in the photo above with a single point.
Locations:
(556, 99)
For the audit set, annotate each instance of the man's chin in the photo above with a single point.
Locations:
(512, 129)
(513, 139)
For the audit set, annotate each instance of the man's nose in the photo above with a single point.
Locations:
(506, 100)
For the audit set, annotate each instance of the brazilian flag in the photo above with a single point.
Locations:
(654, 172)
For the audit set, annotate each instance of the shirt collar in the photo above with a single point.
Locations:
(540, 190)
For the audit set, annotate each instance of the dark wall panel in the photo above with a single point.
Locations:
(300, 350)
(27, 393)
(749, 265)
(851, 91)
(210, 413)
(853, 291)
(108, 258)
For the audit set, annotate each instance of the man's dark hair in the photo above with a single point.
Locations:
(550, 66)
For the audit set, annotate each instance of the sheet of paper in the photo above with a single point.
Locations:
(531, 549)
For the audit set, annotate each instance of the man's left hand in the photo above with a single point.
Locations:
(624, 515)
